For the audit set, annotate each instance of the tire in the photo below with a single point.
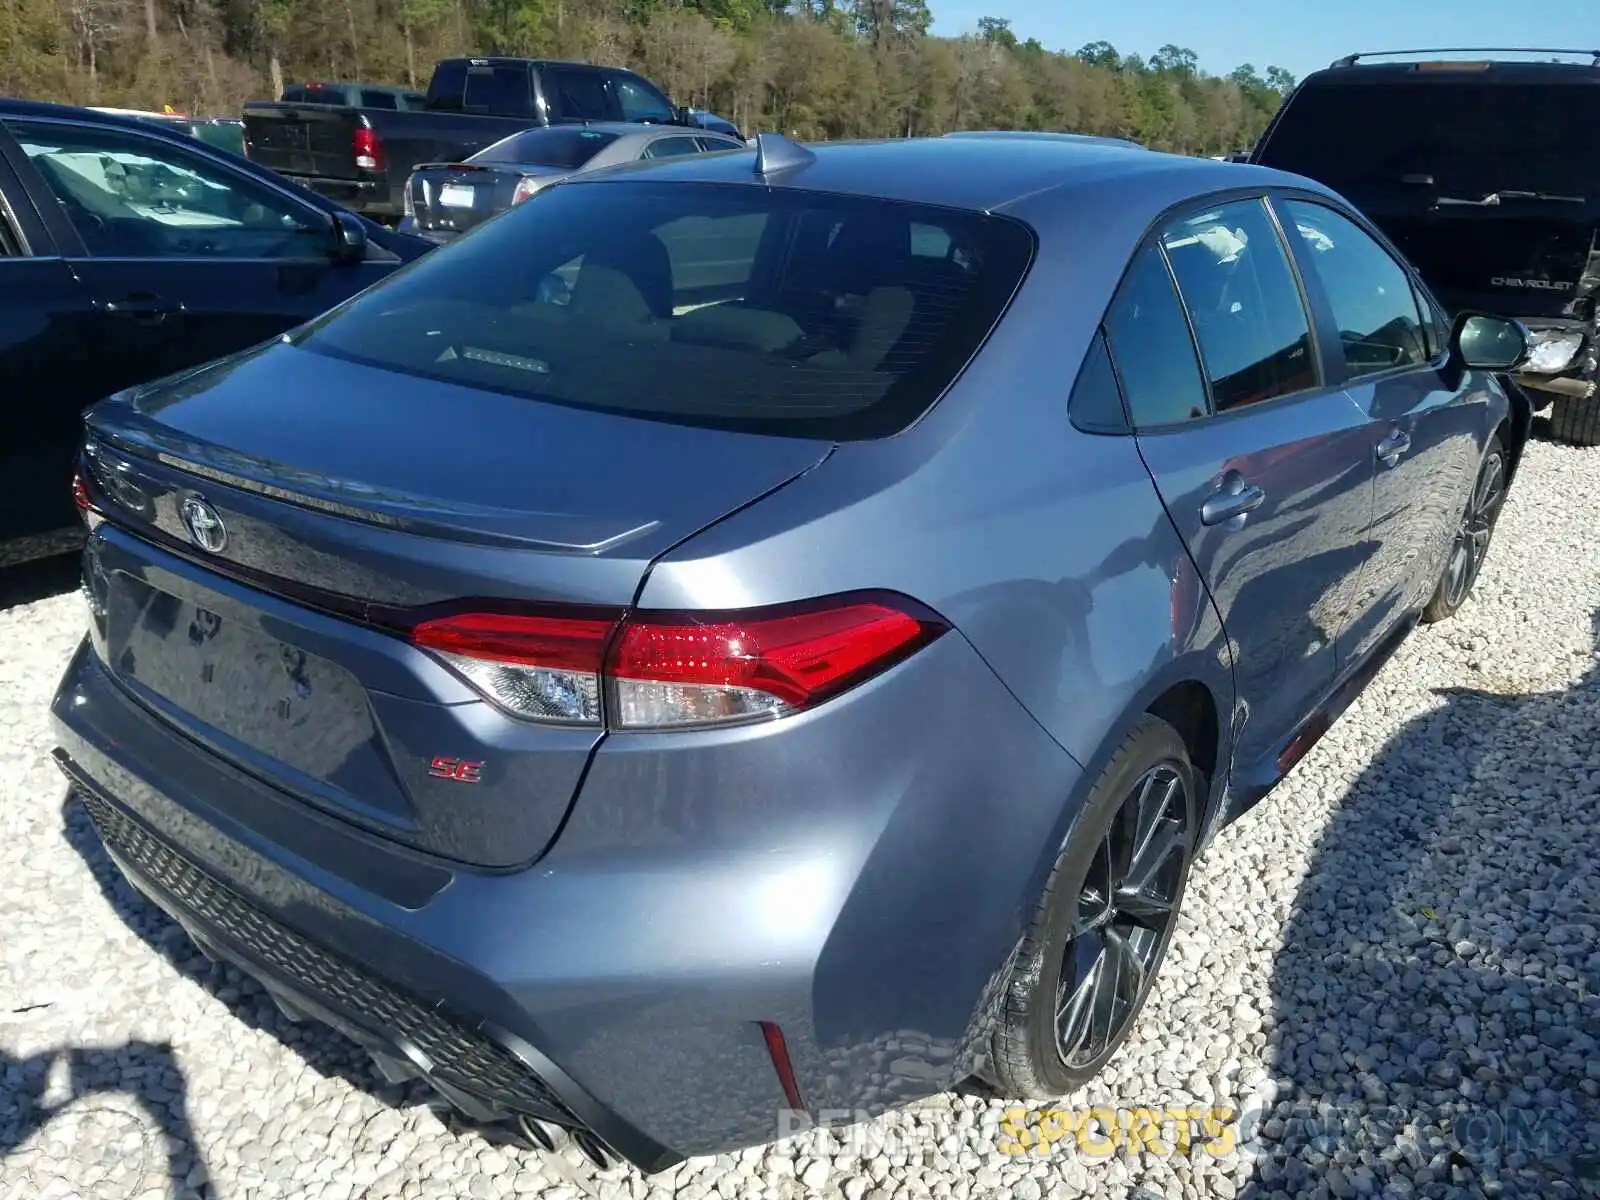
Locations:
(1473, 535)
(1073, 928)
(1576, 422)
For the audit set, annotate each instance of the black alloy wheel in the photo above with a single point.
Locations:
(1473, 535)
(1104, 920)
(1126, 908)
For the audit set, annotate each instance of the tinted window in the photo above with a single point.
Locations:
(711, 143)
(1151, 347)
(1472, 137)
(1234, 276)
(671, 147)
(577, 95)
(372, 99)
(323, 93)
(136, 197)
(1096, 405)
(688, 302)
(557, 146)
(294, 94)
(500, 90)
(448, 84)
(641, 102)
(1370, 294)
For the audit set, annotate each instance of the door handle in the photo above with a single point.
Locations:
(1396, 443)
(143, 308)
(1233, 500)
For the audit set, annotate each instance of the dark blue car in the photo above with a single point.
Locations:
(130, 250)
(772, 631)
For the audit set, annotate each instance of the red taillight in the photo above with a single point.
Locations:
(526, 187)
(675, 670)
(369, 151)
(80, 495)
(693, 670)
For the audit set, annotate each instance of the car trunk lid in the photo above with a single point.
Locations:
(275, 644)
(455, 197)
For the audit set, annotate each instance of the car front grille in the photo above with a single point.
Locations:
(458, 1056)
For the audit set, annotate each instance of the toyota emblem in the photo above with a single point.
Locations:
(204, 525)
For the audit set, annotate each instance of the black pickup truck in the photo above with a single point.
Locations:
(362, 156)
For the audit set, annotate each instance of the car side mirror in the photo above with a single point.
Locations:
(686, 116)
(1489, 343)
(349, 239)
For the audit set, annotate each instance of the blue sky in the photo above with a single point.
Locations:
(1298, 35)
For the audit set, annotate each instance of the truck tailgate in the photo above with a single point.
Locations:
(307, 140)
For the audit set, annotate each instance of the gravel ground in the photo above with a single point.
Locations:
(1388, 972)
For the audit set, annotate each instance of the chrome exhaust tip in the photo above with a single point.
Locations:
(541, 1135)
(593, 1149)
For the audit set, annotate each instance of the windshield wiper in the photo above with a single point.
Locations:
(1495, 199)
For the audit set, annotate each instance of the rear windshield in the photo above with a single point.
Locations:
(1473, 138)
(557, 146)
(774, 311)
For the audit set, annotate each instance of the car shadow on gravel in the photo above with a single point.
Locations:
(321, 1048)
(30, 582)
(121, 1111)
(1435, 1028)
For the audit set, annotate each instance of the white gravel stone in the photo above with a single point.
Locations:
(1389, 970)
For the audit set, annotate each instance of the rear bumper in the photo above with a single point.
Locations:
(864, 899)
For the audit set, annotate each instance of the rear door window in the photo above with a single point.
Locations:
(576, 95)
(375, 99)
(699, 303)
(1234, 276)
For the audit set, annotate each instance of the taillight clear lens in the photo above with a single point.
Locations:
(672, 671)
(535, 667)
(702, 670)
(80, 495)
(524, 189)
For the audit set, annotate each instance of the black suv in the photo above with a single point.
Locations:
(1486, 173)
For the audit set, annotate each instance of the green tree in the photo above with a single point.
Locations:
(997, 32)
(1101, 54)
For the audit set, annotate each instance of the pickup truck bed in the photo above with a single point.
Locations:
(361, 157)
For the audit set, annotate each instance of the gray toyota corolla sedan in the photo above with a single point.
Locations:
(772, 631)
